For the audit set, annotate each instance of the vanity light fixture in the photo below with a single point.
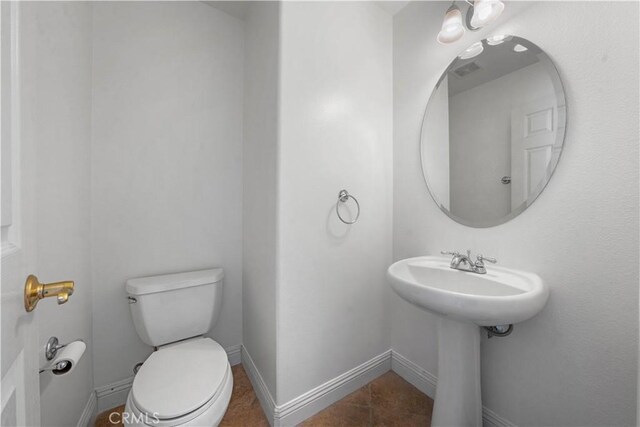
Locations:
(482, 12)
(479, 14)
(472, 51)
(452, 27)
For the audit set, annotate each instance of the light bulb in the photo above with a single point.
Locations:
(519, 48)
(496, 40)
(472, 51)
(452, 28)
(485, 11)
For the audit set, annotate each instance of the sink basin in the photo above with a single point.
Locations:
(500, 297)
(464, 301)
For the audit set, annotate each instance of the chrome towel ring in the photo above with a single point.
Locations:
(343, 197)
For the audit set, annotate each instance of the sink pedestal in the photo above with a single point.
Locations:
(458, 399)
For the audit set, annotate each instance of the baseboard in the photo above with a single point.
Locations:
(234, 353)
(115, 394)
(491, 419)
(89, 412)
(304, 406)
(265, 398)
(414, 374)
(317, 399)
(426, 383)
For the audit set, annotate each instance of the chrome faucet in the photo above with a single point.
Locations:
(464, 262)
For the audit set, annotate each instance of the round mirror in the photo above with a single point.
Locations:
(493, 131)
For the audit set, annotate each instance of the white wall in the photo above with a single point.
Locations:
(335, 132)
(575, 363)
(166, 162)
(260, 186)
(56, 113)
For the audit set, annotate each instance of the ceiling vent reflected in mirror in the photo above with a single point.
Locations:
(466, 69)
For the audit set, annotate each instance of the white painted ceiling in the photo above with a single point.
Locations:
(238, 9)
(392, 6)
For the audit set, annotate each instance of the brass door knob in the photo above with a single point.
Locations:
(34, 291)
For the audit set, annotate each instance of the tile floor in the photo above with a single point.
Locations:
(386, 401)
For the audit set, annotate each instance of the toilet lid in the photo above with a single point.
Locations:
(180, 378)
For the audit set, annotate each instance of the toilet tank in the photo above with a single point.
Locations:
(174, 307)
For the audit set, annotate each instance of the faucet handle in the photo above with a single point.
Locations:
(482, 258)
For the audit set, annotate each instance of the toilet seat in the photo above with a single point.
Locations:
(188, 383)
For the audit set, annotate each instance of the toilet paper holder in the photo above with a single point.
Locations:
(66, 365)
(52, 347)
(50, 351)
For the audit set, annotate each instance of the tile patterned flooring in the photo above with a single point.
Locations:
(386, 401)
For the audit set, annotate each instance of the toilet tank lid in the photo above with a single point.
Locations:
(170, 282)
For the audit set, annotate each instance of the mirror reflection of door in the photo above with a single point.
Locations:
(534, 127)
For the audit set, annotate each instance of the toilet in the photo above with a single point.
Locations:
(187, 381)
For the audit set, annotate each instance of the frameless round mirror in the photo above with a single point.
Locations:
(493, 131)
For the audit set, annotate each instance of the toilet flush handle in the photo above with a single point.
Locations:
(132, 300)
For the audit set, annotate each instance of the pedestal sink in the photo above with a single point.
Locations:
(464, 301)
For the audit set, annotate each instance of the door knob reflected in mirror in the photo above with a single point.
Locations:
(34, 291)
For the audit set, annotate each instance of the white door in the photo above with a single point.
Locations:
(19, 395)
(534, 127)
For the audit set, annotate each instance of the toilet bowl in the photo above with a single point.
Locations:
(187, 381)
(185, 384)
